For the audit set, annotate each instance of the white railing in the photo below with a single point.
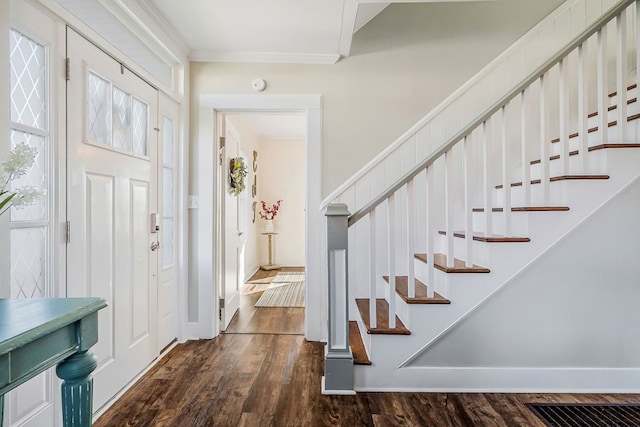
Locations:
(479, 165)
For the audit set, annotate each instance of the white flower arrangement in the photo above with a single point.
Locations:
(17, 164)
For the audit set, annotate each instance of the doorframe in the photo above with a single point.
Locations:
(206, 247)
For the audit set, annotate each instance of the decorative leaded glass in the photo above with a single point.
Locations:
(99, 110)
(121, 119)
(37, 177)
(167, 191)
(140, 127)
(28, 262)
(28, 81)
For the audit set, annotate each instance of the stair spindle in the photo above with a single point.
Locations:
(621, 78)
(391, 236)
(411, 237)
(468, 209)
(448, 205)
(583, 119)
(637, 40)
(373, 277)
(431, 270)
(544, 144)
(603, 93)
(506, 171)
(487, 181)
(526, 166)
(563, 110)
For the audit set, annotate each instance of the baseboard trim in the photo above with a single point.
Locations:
(499, 380)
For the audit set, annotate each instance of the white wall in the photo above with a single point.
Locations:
(281, 176)
(576, 306)
(402, 64)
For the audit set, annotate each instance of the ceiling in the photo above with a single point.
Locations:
(294, 31)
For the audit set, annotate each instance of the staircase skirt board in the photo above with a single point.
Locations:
(382, 315)
(360, 356)
(440, 262)
(421, 297)
(528, 209)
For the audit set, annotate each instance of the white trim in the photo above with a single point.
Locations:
(488, 69)
(202, 55)
(335, 392)
(509, 380)
(348, 28)
(209, 106)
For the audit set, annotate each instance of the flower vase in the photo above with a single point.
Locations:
(268, 225)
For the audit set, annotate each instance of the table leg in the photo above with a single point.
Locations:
(1, 409)
(77, 388)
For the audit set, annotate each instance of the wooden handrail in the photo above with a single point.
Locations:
(535, 75)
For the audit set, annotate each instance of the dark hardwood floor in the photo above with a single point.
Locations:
(262, 378)
(266, 320)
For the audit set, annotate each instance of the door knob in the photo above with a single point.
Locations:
(155, 245)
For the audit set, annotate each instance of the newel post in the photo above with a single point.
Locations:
(338, 360)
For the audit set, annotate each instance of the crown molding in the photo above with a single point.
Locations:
(264, 57)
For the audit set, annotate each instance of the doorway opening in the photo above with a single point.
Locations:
(262, 256)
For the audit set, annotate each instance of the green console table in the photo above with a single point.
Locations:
(36, 334)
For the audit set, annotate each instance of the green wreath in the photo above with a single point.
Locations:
(237, 173)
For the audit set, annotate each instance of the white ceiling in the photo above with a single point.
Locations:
(295, 31)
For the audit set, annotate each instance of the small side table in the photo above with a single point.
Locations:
(271, 265)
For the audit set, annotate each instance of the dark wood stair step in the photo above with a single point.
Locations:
(528, 209)
(479, 237)
(360, 356)
(558, 178)
(402, 288)
(594, 148)
(595, 128)
(382, 318)
(632, 86)
(440, 262)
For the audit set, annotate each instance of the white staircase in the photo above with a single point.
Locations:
(471, 223)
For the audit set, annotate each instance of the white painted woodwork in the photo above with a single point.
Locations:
(487, 181)
(603, 91)
(544, 140)
(621, 76)
(563, 113)
(430, 237)
(111, 195)
(373, 274)
(583, 107)
(168, 166)
(391, 253)
(233, 245)
(506, 171)
(468, 214)
(339, 321)
(524, 146)
(411, 238)
(448, 205)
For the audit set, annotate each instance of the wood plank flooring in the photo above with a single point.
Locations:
(274, 380)
(263, 374)
(266, 320)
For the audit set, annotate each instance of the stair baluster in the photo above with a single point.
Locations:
(621, 77)
(468, 209)
(391, 239)
(373, 275)
(431, 271)
(411, 237)
(506, 172)
(544, 141)
(603, 93)
(563, 110)
(487, 160)
(524, 155)
(583, 99)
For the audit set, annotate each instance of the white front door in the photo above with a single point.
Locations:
(112, 193)
(232, 253)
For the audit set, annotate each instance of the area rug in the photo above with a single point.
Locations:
(285, 290)
(588, 414)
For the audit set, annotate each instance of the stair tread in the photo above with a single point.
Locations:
(595, 128)
(528, 209)
(421, 297)
(359, 351)
(592, 148)
(382, 318)
(440, 262)
(494, 238)
(558, 178)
